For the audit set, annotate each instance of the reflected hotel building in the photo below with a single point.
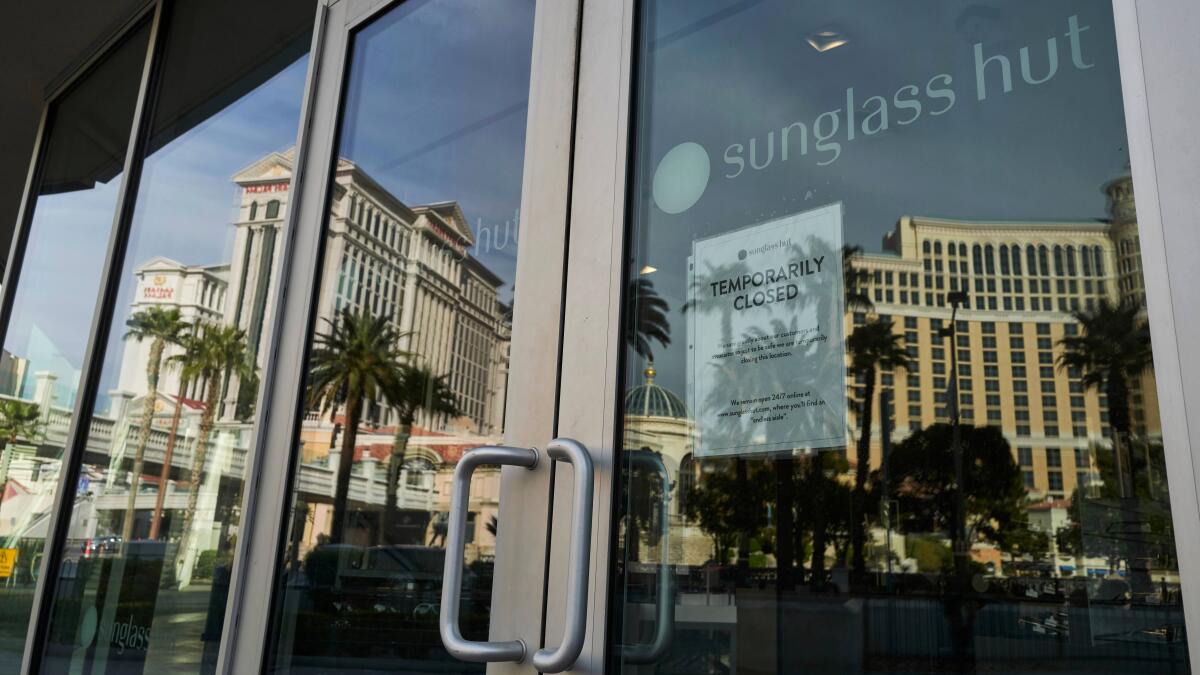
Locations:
(1023, 281)
(407, 263)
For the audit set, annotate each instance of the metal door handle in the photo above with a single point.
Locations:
(579, 559)
(664, 627)
(579, 562)
(452, 639)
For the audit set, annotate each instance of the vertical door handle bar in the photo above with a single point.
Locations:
(664, 626)
(564, 656)
(452, 639)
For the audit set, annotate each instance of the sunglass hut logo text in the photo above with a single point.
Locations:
(683, 172)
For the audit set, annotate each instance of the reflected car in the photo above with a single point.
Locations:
(102, 547)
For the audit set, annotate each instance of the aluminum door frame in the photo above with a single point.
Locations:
(72, 453)
(591, 351)
(1159, 67)
(530, 413)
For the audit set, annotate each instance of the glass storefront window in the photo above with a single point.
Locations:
(408, 361)
(888, 343)
(154, 525)
(60, 267)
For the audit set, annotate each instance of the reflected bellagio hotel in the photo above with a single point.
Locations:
(408, 263)
(1023, 280)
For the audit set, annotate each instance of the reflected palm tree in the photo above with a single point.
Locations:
(788, 548)
(726, 374)
(350, 368)
(19, 420)
(923, 482)
(161, 327)
(729, 502)
(211, 356)
(414, 390)
(872, 346)
(168, 454)
(823, 508)
(854, 280)
(649, 321)
(824, 297)
(1112, 350)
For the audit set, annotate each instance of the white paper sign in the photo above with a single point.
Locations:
(766, 349)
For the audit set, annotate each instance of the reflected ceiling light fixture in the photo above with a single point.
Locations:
(648, 269)
(827, 39)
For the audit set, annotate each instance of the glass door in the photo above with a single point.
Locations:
(419, 327)
(876, 388)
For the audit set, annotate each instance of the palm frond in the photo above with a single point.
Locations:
(417, 388)
(358, 356)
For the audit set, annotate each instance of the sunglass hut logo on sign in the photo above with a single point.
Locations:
(683, 173)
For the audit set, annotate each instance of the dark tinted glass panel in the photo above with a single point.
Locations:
(408, 365)
(890, 402)
(54, 296)
(156, 516)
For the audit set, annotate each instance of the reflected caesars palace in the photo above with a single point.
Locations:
(1024, 280)
(407, 263)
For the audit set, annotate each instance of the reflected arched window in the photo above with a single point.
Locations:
(273, 209)
(977, 258)
(253, 210)
(989, 259)
(1044, 260)
(937, 247)
(1016, 259)
(1098, 253)
(1058, 261)
(1004, 268)
(962, 250)
(689, 477)
(1085, 260)
(925, 246)
(1031, 260)
(1071, 267)
(418, 473)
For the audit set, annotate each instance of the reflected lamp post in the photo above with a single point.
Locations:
(956, 299)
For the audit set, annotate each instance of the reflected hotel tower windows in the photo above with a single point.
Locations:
(410, 264)
(1024, 282)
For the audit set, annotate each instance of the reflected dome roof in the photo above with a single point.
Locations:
(651, 400)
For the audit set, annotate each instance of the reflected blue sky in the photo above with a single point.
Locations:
(52, 312)
(435, 111)
(186, 208)
(188, 203)
(407, 123)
